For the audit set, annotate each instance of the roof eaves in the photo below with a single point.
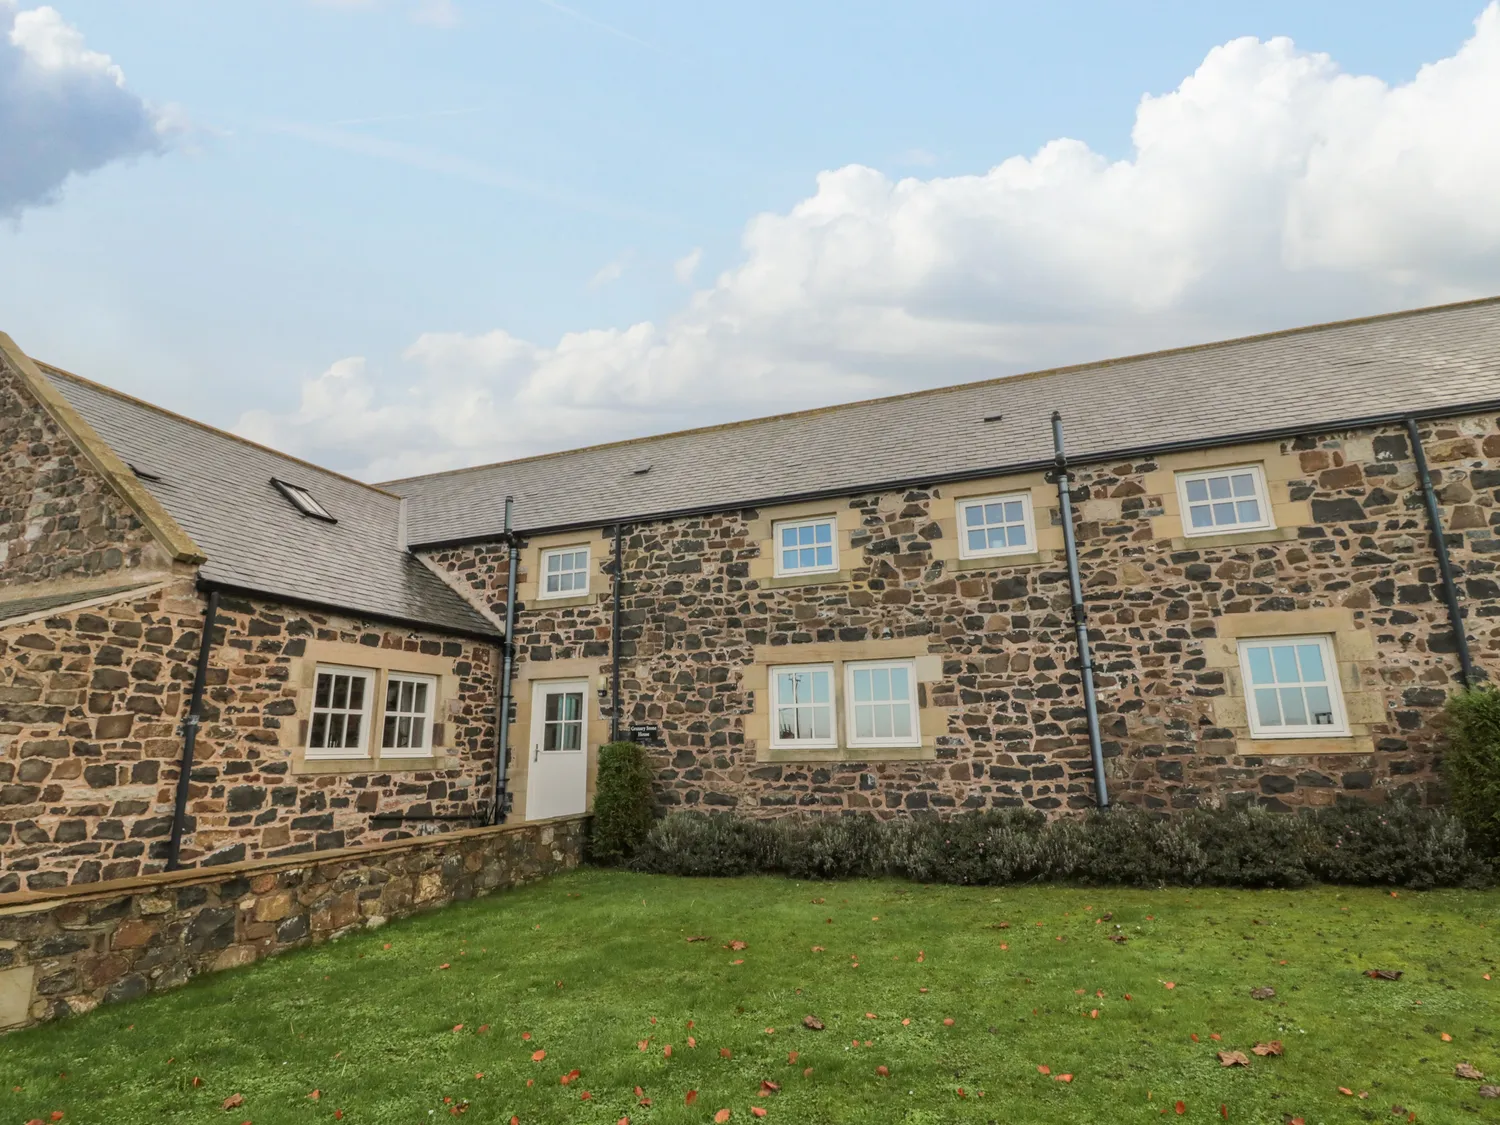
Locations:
(115, 471)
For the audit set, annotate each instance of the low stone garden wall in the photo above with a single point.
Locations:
(69, 950)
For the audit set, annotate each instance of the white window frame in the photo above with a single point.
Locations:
(1262, 499)
(552, 552)
(778, 526)
(424, 749)
(851, 727)
(779, 743)
(342, 752)
(1337, 729)
(303, 500)
(966, 552)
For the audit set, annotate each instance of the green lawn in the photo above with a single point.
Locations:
(593, 966)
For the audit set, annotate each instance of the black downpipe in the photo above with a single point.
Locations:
(1080, 614)
(1445, 566)
(614, 635)
(498, 806)
(190, 725)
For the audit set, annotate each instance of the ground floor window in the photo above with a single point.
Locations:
(1292, 687)
(879, 705)
(408, 713)
(340, 712)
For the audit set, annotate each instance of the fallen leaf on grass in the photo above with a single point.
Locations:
(1265, 993)
(1118, 939)
(698, 937)
(692, 1096)
(721, 1116)
(812, 1023)
(817, 949)
(757, 1111)
(1348, 1093)
(1233, 1058)
(1271, 1048)
(883, 1071)
(1489, 1091)
(233, 1101)
(807, 1072)
(524, 1034)
(444, 965)
(692, 1042)
(1464, 1070)
(1446, 1038)
(315, 1095)
(1383, 974)
(1180, 1107)
(948, 1022)
(538, 1056)
(1062, 1078)
(196, 1082)
(737, 945)
(724, 1052)
(666, 1052)
(1169, 984)
(1044, 1069)
(767, 1087)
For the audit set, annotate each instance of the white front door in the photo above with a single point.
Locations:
(558, 772)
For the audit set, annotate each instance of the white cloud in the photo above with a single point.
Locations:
(64, 109)
(607, 274)
(436, 13)
(686, 266)
(1268, 190)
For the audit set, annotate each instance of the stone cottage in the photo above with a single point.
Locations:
(863, 607)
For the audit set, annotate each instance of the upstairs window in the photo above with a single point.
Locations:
(995, 525)
(1292, 687)
(1223, 500)
(565, 572)
(304, 501)
(802, 706)
(806, 546)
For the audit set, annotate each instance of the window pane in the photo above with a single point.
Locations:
(997, 537)
(319, 730)
(819, 686)
(806, 558)
(788, 560)
(864, 723)
(549, 737)
(825, 556)
(356, 693)
(1249, 511)
(1244, 484)
(388, 732)
(880, 683)
(340, 691)
(861, 685)
(418, 732)
(1311, 659)
(420, 698)
(1293, 709)
(1260, 666)
(336, 730)
(974, 515)
(882, 722)
(1197, 490)
(1202, 517)
(325, 685)
(403, 732)
(406, 691)
(898, 684)
(901, 725)
(552, 581)
(573, 735)
(822, 722)
(824, 533)
(572, 706)
(1224, 513)
(1017, 535)
(1266, 707)
(392, 694)
(994, 513)
(1218, 488)
(1320, 706)
(1013, 511)
(805, 536)
(1284, 658)
(976, 539)
(550, 704)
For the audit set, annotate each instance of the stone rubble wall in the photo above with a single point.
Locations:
(91, 703)
(692, 616)
(62, 953)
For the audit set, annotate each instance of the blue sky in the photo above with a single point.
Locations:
(434, 195)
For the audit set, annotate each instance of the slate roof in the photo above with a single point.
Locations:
(218, 487)
(26, 606)
(1295, 381)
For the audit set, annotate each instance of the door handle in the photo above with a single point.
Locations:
(536, 752)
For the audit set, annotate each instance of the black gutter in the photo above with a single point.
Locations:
(1080, 612)
(1271, 433)
(380, 819)
(1440, 545)
(350, 611)
(498, 804)
(190, 724)
(614, 636)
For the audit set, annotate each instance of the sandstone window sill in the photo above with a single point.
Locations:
(542, 605)
(1235, 538)
(1301, 747)
(1002, 562)
(849, 754)
(826, 578)
(306, 767)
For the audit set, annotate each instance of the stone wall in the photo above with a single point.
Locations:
(1360, 551)
(67, 952)
(59, 520)
(91, 703)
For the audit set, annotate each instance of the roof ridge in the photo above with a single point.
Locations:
(155, 409)
(1097, 364)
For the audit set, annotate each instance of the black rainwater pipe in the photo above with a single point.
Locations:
(1445, 567)
(507, 664)
(614, 635)
(190, 725)
(1080, 614)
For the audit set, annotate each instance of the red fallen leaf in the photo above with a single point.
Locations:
(585, 1096)
(639, 1092)
(529, 1082)
(757, 1111)
(1215, 1036)
(642, 1044)
(196, 1082)
(482, 1029)
(1271, 1048)
(770, 1031)
(741, 961)
(961, 1092)
(538, 1056)
(514, 1120)
(807, 1072)
(948, 1022)
(1233, 1058)
(1094, 1014)
(883, 1071)
(1180, 1107)
(1193, 1036)
(921, 990)
(1296, 1121)
(387, 945)
(1002, 946)
(667, 1051)
(444, 965)
(338, 1115)
(571, 1076)
(1348, 1093)
(1383, 974)
(1044, 1070)
(768, 1087)
(812, 1023)
(524, 1034)
(692, 1042)
(692, 1096)
(1224, 1111)
(817, 949)
(1127, 996)
(1447, 1038)
(906, 1023)
(1170, 983)
(478, 1074)
(623, 1121)
(724, 1052)
(1062, 1078)
(233, 1101)
(737, 945)
(869, 1015)
(458, 1027)
(721, 1116)
(315, 1095)
(690, 1024)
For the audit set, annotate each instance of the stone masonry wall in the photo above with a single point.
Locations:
(692, 615)
(66, 953)
(90, 707)
(58, 518)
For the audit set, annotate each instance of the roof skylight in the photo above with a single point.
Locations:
(304, 501)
